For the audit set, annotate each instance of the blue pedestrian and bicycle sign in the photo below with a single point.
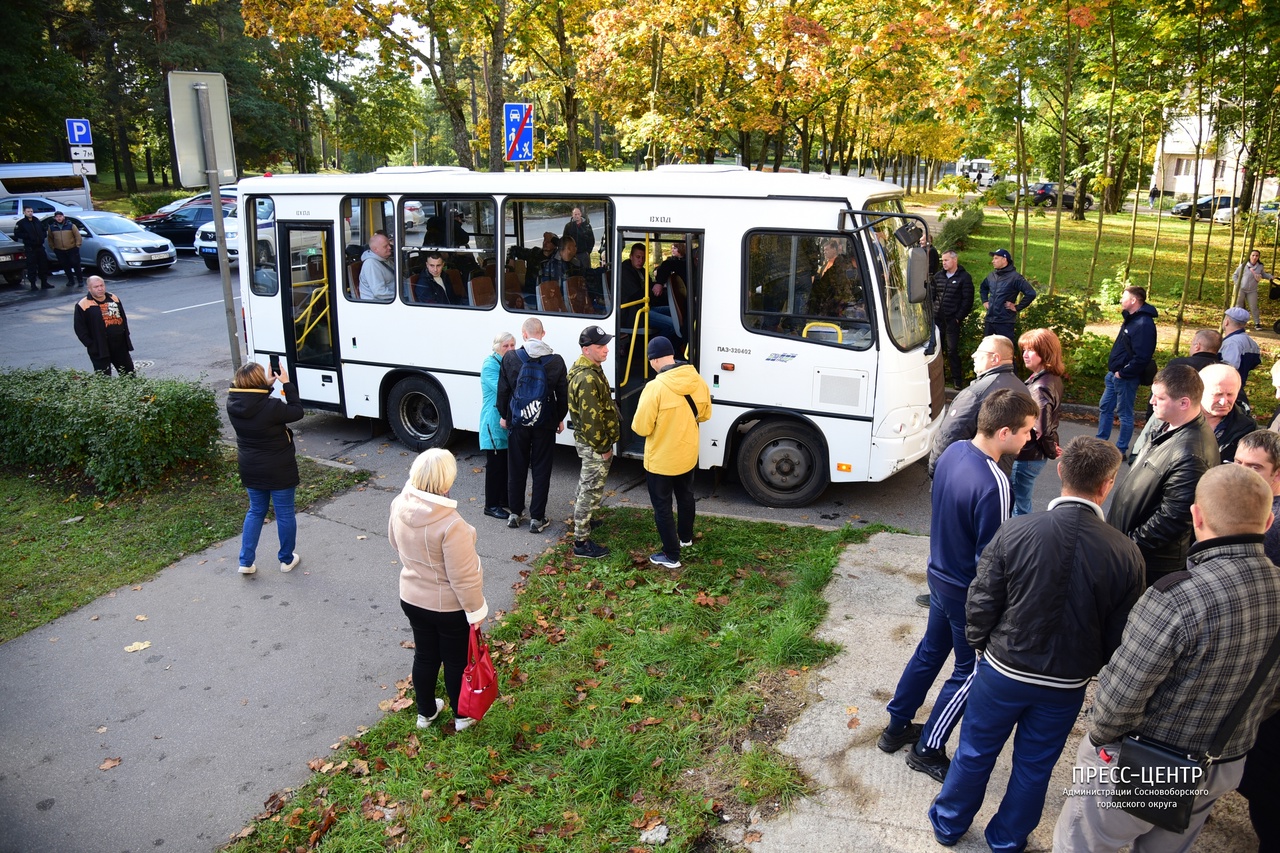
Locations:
(519, 136)
(78, 132)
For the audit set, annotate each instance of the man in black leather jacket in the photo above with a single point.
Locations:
(993, 363)
(1152, 506)
(1047, 608)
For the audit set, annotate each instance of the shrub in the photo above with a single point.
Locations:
(141, 204)
(1088, 355)
(956, 229)
(119, 432)
(1066, 315)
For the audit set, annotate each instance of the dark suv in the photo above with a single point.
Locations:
(1206, 206)
(1047, 193)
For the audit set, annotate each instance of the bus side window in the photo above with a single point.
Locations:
(546, 268)
(466, 272)
(809, 286)
(369, 222)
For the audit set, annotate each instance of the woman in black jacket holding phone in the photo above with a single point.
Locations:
(268, 466)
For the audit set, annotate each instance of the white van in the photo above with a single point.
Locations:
(53, 181)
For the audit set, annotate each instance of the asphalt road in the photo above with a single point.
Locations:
(178, 328)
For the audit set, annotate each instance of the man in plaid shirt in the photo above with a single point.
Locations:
(1191, 645)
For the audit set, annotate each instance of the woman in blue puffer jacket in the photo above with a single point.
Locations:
(493, 436)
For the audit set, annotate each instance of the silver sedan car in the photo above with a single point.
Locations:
(115, 243)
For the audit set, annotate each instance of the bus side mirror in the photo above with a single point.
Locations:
(917, 275)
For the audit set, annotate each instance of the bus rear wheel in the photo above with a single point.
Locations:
(783, 464)
(419, 414)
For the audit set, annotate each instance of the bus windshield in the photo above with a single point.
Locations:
(908, 323)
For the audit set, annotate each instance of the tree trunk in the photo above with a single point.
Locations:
(1106, 152)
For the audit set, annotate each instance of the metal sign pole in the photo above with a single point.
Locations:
(215, 196)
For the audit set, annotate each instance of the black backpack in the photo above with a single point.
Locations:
(530, 400)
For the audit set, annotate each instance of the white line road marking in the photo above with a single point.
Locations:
(201, 305)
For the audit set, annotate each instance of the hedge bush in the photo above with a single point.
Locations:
(140, 204)
(120, 432)
(956, 229)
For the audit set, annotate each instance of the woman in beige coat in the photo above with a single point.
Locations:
(441, 580)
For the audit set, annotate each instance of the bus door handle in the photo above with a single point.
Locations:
(326, 379)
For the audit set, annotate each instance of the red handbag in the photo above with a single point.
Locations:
(479, 681)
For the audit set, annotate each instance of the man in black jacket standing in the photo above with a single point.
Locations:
(1047, 609)
(993, 363)
(32, 233)
(1153, 504)
(952, 302)
(530, 445)
(1005, 294)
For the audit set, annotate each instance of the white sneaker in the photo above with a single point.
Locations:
(423, 722)
(248, 570)
(688, 544)
(288, 567)
(463, 723)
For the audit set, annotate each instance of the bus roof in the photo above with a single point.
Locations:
(683, 180)
(35, 170)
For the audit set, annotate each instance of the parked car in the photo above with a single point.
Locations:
(414, 214)
(207, 238)
(1046, 192)
(1207, 205)
(114, 243)
(11, 208)
(1267, 210)
(228, 197)
(181, 226)
(13, 260)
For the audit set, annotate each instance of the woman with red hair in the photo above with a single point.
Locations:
(1042, 353)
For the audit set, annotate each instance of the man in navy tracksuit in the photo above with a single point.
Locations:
(1047, 610)
(971, 499)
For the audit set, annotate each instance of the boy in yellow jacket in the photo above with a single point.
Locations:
(671, 407)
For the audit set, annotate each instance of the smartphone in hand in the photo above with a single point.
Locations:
(275, 365)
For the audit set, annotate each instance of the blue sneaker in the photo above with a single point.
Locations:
(661, 559)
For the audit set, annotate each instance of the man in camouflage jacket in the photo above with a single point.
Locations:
(596, 429)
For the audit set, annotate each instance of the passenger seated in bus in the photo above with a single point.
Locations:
(430, 288)
(833, 283)
(631, 287)
(535, 258)
(563, 264)
(377, 273)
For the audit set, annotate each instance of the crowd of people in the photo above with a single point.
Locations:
(1170, 597)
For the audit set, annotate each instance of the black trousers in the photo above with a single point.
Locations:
(438, 638)
(118, 355)
(69, 259)
(495, 478)
(529, 449)
(949, 334)
(37, 263)
(672, 531)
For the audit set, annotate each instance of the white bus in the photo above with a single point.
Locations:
(55, 181)
(800, 299)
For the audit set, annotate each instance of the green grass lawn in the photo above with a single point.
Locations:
(628, 693)
(1164, 286)
(66, 548)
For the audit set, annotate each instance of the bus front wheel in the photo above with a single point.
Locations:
(783, 464)
(419, 414)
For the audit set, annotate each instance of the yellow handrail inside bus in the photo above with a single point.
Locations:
(804, 333)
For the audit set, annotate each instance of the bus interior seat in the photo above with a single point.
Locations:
(455, 284)
(353, 279)
(677, 296)
(490, 269)
(550, 299)
(519, 267)
(575, 295)
(480, 291)
(315, 268)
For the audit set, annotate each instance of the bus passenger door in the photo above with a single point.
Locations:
(310, 328)
(671, 259)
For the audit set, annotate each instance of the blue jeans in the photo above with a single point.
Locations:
(286, 524)
(1023, 481)
(1119, 394)
(1044, 717)
(943, 636)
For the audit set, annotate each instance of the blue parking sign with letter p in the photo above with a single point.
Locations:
(78, 132)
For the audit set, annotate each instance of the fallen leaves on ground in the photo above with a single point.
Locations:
(109, 763)
(140, 618)
(137, 647)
